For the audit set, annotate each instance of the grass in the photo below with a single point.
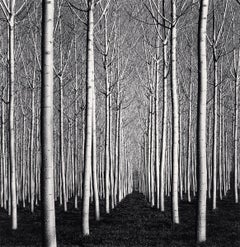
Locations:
(132, 223)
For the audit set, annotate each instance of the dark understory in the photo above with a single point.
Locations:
(132, 223)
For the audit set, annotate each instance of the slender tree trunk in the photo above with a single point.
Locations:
(110, 152)
(107, 122)
(11, 114)
(157, 161)
(62, 161)
(149, 151)
(201, 122)
(215, 125)
(116, 156)
(24, 160)
(152, 148)
(175, 118)
(164, 125)
(181, 138)
(119, 154)
(76, 129)
(157, 158)
(94, 161)
(236, 131)
(221, 157)
(3, 156)
(89, 113)
(209, 159)
(47, 180)
(32, 144)
(189, 143)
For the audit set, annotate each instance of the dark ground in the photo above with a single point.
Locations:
(132, 223)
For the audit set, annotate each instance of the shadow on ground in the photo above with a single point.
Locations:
(132, 223)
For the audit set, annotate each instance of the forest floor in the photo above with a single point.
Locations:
(132, 223)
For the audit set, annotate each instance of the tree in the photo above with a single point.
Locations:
(94, 160)
(175, 118)
(47, 182)
(89, 113)
(107, 154)
(10, 12)
(201, 122)
(237, 79)
(214, 44)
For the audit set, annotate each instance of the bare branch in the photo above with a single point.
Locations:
(5, 6)
(21, 7)
(5, 12)
(103, 12)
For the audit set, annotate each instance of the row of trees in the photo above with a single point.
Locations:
(100, 101)
(198, 158)
(54, 153)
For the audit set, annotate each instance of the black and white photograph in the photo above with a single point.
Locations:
(119, 123)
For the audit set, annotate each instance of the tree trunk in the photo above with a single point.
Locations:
(157, 161)
(164, 125)
(201, 122)
(76, 129)
(107, 122)
(11, 114)
(32, 144)
(62, 160)
(89, 113)
(236, 131)
(215, 125)
(175, 118)
(152, 148)
(94, 161)
(189, 143)
(47, 180)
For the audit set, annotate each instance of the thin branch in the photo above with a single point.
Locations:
(156, 20)
(74, 11)
(161, 15)
(222, 24)
(4, 11)
(103, 12)
(21, 7)
(6, 6)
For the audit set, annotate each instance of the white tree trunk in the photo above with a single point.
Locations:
(47, 180)
(164, 126)
(215, 125)
(189, 143)
(76, 128)
(88, 129)
(201, 121)
(107, 121)
(157, 157)
(94, 161)
(11, 114)
(236, 131)
(63, 172)
(32, 145)
(175, 118)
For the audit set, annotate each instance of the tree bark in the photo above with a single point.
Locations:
(47, 180)
(94, 162)
(175, 118)
(11, 114)
(89, 113)
(236, 130)
(107, 120)
(164, 122)
(201, 122)
(215, 125)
